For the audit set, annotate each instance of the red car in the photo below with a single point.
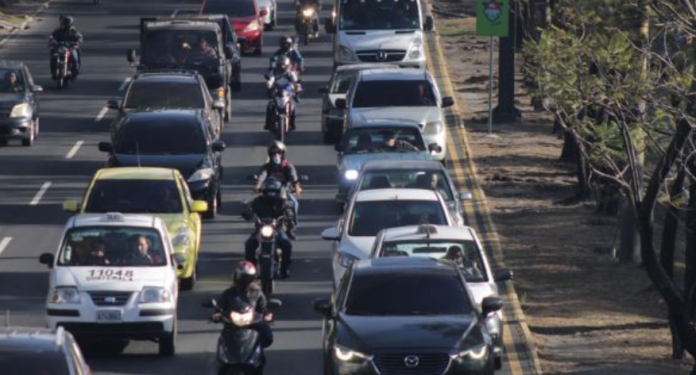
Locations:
(246, 19)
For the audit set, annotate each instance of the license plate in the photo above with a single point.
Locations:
(109, 316)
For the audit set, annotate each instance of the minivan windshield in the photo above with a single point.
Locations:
(379, 15)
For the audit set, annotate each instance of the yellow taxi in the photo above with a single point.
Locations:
(156, 191)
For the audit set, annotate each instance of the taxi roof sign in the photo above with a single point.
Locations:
(427, 229)
(113, 217)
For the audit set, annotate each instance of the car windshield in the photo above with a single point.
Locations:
(185, 95)
(112, 247)
(379, 15)
(410, 179)
(12, 81)
(366, 140)
(194, 49)
(160, 137)
(465, 253)
(135, 196)
(391, 294)
(232, 8)
(33, 361)
(412, 93)
(369, 217)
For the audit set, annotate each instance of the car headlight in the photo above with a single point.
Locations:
(346, 54)
(181, 238)
(308, 12)
(433, 127)
(346, 259)
(65, 294)
(21, 110)
(266, 231)
(155, 295)
(351, 174)
(474, 354)
(252, 26)
(202, 174)
(416, 51)
(344, 354)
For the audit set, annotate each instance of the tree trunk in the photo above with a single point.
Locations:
(629, 245)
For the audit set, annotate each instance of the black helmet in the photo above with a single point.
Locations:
(271, 187)
(277, 147)
(285, 42)
(66, 22)
(244, 274)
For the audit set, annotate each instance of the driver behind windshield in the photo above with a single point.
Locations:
(392, 142)
(205, 49)
(11, 83)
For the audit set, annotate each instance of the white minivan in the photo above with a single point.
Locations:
(375, 31)
(114, 276)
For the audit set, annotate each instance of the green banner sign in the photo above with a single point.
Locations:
(492, 17)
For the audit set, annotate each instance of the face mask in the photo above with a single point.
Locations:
(276, 160)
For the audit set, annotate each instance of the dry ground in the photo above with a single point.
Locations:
(589, 315)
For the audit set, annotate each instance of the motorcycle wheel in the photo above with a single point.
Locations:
(62, 82)
(280, 128)
(266, 277)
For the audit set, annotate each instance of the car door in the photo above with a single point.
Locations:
(212, 114)
(193, 220)
(33, 99)
(338, 89)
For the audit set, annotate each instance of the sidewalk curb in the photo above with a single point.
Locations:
(494, 239)
(30, 18)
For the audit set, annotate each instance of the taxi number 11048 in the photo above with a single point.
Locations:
(109, 274)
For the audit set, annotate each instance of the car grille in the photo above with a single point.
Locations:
(110, 298)
(428, 364)
(385, 55)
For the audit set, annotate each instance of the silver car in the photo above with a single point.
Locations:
(459, 244)
(405, 94)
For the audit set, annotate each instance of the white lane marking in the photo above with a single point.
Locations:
(124, 84)
(40, 193)
(101, 114)
(3, 244)
(74, 149)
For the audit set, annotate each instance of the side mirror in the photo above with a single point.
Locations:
(341, 103)
(338, 147)
(274, 303)
(105, 147)
(434, 147)
(219, 146)
(304, 178)
(323, 306)
(263, 12)
(179, 259)
(113, 104)
(47, 259)
(131, 56)
(252, 177)
(490, 305)
(71, 206)
(329, 26)
(503, 275)
(330, 234)
(323, 90)
(465, 196)
(37, 88)
(229, 51)
(199, 207)
(209, 303)
(447, 101)
(429, 23)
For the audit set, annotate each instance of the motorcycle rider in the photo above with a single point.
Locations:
(286, 49)
(66, 33)
(301, 4)
(243, 288)
(282, 74)
(279, 167)
(271, 204)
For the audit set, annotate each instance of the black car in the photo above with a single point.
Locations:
(404, 315)
(178, 139)
(19, 104)
(170, 90)
(40, 351)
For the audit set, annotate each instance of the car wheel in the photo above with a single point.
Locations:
(212, 209)
(36, 127)
(190, 282)
(167, 342)
(29, 141)
(498, 362)
(228, 106)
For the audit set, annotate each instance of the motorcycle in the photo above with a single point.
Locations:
(62, 56)
(268, 254)
(280, 107)
(308, 23)
(239, 350)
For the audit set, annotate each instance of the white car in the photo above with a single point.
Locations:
(270, 20)
(374, 96)
(370, 211)
(114, 276)
(443, 242)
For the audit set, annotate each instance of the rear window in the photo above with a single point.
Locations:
(381, 94)
(392, 295)
(160, 137)
(135, 196)
(233, 9)
(409, 179)
(144, 95)
(372, 216)
(465, 254)
(35, 362)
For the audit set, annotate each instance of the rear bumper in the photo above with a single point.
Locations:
(140, 330)
(250, 42)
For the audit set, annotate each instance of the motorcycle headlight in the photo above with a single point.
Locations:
(181, 238)
(344, 354)
(202, 174)
(66, 295)
(346, 259)
(21, 110)
(308, 12)
(252, 26)
(476, 353)
(155, 295)
(351, 174)
(433, 127)
(266, 231)
(242, 319)
(346, 54)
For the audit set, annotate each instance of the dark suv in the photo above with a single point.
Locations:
(40, 351)
(178, 139)
(170, 90)
(405, 315)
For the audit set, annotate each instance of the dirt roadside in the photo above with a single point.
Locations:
(588, 315)
(17, 14)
